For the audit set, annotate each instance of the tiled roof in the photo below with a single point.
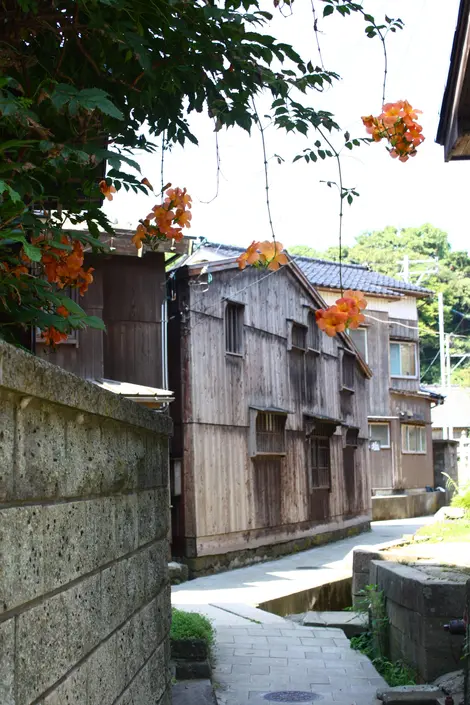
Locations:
(322, 273)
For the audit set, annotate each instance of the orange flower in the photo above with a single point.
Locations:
(140, 234)
(62, 311)
(87, 279)
(177, 198)
(357, 297)
(331, 320)
(53, 337)
(355, 320)
(397, 124)
(106, 190)
(250, 256)
(272, 255)
(183, 218)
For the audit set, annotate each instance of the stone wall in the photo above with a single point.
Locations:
(420, 600)
(84, 595)
(403, 506)
(445, 458)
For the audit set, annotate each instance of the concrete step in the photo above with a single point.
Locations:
(352, 623)
(198, 692)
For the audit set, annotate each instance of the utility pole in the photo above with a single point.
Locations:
(450, 430)
(440, 302)
(406, 268)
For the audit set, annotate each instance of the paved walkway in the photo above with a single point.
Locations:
(258, 653)
(254, 661)
(239, 591)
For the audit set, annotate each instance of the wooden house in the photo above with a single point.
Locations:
(398, 408)
(270, 448)
(454, 125)
(129, 294)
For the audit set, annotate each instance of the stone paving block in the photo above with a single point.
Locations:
(316, 641)
(252, 653)
(266, 661)
(250, 669)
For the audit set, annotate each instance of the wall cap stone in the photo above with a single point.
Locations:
(27, 375)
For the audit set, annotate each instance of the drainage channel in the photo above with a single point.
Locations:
(329, 597)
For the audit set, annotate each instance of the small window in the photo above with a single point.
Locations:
(313, 334)
(348, 371)
(403, 361)
(234, 315)
(319, 457)
(359, 337)
(270, 433)
(380, 433)
(352, 435)
(413, 439)
(299, 336)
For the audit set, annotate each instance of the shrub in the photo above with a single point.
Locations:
(191, 625)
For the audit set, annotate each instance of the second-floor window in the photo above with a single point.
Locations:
(270, 433)
(234, 315)
(403, 359)
(359, 337)
(348, 365)
(380, 433)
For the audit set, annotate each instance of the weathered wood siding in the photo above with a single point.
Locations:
(127, 293)
(238, 502)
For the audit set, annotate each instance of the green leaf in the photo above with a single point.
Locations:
(95, 322)
(34, 253)
(14, 195)
(328, 10)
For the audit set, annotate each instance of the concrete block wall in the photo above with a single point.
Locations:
(84, 506)
(418, 606)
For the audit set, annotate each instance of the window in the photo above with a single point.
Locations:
(413, 439)
(403, 361)
(359, 337)
(319, 461)
(270, 433)
(380, 433)
(234, 314)
(348, 371)
(313, 334)
(299, 336)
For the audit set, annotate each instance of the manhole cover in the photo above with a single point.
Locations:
(292, 696)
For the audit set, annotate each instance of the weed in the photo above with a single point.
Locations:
(374, 643)
(191, 625)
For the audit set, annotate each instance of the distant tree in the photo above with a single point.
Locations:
(384, 251)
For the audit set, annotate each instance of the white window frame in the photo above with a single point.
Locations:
(405, 437)
(400, 343)
(362, 330)
(380, 423)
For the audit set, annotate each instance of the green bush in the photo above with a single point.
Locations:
(191, 625)
(396, 674)
(462, 499)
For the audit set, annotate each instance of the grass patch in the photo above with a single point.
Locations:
(396, 673)
(186, 626)
(457, 530)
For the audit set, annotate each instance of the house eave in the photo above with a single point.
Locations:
(454, 125)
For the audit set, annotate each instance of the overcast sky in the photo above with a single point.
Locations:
(305, 211)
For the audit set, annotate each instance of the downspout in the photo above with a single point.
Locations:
(164, 330)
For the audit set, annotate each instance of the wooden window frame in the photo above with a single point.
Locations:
(298, 329)
(408, 343)
(238, 332)
(361, 330)
(270, 417)
(318, 435)
(380, 423)
(346, 355)
(313, 333)
(423, 435)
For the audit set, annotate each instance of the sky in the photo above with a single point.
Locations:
(305, 211)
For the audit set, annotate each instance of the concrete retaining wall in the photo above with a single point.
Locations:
(419, 602)
(84, 594)
(404, 506)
